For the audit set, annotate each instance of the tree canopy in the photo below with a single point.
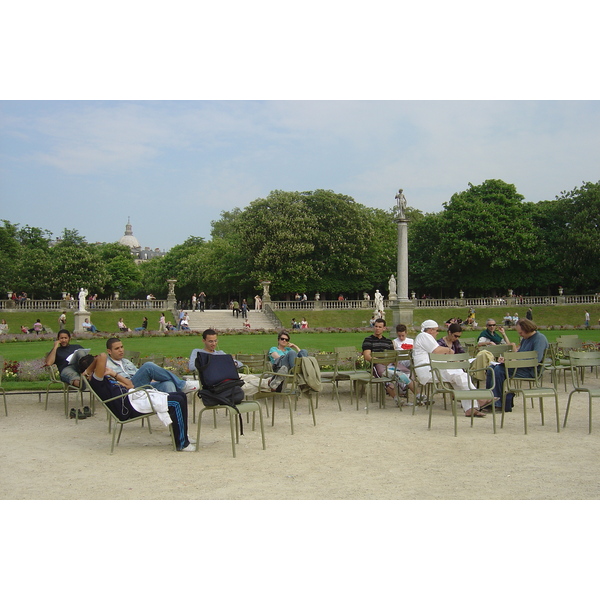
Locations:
(485, 240)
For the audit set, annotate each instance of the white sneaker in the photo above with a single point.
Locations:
(189, 448)
(191, 386)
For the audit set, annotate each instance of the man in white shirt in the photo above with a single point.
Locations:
(148, 374)
(425, 343)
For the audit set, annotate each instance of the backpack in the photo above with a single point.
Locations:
(221, 383)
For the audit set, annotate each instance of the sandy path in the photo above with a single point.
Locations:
(386, 454)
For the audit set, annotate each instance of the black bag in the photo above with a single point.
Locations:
(221, 383)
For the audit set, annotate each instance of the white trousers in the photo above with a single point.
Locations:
(457, 377)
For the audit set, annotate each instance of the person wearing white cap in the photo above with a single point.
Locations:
(425, 343)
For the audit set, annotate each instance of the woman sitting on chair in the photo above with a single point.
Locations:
(282, 357)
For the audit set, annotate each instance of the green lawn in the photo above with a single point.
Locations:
(182, 345)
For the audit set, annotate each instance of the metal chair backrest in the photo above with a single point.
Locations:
(257, 362)
(580, 360)
(440, 362)
(569, 342)
(522, 360)
(386, 357)
(133, 356)
(54, 374)
(498, 349)
(327, 359)
(347, 356)
(157, 359)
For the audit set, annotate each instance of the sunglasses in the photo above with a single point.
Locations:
(285, 339)
(491, 324)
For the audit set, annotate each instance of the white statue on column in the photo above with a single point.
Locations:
(82, 296)
(401, 203)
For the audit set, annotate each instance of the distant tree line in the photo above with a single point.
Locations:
(484, 241)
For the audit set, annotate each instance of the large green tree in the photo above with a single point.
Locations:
(570, 229)
(483, 242)
(314, 241)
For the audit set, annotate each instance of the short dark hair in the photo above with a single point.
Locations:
(208, 332)
(282, 332)
(380, 320)
(63, 331)
(85, 362)
(454, 328)
(400, 327)
(111, 341)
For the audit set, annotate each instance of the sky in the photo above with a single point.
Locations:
(168, 118)
(173, 166)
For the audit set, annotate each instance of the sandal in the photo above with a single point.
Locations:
(477, 414)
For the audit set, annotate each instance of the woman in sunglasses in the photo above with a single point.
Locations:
(283, 356)
(452, 339)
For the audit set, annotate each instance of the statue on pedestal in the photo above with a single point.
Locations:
(392, 285)
(82, 296)
(401, 198)
(378, 301)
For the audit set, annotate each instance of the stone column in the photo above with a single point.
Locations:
(402, 308)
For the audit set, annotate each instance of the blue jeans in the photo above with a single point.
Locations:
(500, 374)
(158, 378)
(288, 359)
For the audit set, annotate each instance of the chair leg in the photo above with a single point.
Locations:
(569, 405)
(233, 426)
(262, 426)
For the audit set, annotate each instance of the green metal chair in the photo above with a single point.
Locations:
(403, 356)
(255, 364)
(133, 356)
(369, 378)
(554, 366)
(157, 359)
(347, 356)
(289, 390)
(442, 362)
(66, 388)
(329, 359)
(246, 406)
(498, 350)
(513, 384)
(580, 360)
(119, 422)
(1, 388)
(470, 345)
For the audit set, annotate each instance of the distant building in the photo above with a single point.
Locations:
(141, 254)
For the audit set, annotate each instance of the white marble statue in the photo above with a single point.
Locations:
(401, 198)
(392, 285)
(82, 296)
(378, 301)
